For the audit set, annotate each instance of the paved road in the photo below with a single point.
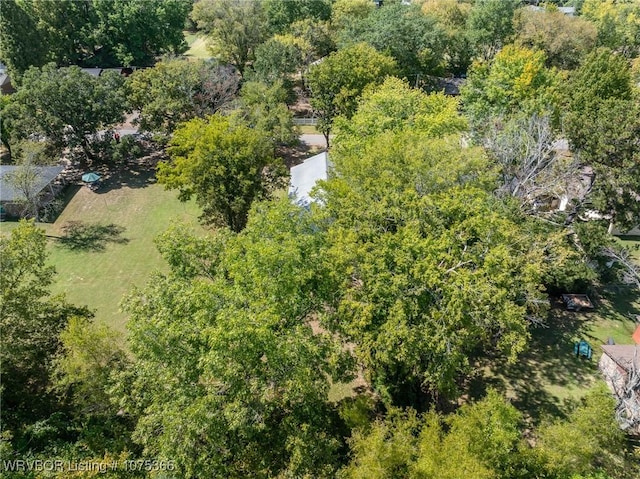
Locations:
(313, 140)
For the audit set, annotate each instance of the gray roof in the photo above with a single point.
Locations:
(623, 354)
(305, 176)
(450, 86)
(46, 174)
(95, 72)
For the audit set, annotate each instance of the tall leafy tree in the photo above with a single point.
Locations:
(91, 32)
(264, 108)
(477, 442)
(423, 277)
(617, 24)
(395, 106)
(228, 376)
(66, 106)
(346, 12)
(280, 15)
(235, 28)
(225, 164)
(31, 319)
(603, 124)
(177, 90)
(135, 32)
(277, 59)
(490, 25)
(452, 16)
(337, 82)
(21, 44)
(515, 81)
(403, 32)
(589, 441)
(564, 39)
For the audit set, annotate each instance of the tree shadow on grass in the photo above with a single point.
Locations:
(543, 379)
(81, 236)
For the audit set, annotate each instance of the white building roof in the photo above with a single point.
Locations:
(305, 176)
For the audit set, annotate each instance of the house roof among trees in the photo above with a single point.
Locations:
(46, 174)
(305, 176)
(623, 354)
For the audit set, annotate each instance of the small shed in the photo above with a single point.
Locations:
(636, 335)
(306, 175)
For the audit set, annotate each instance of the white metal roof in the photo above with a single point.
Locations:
(305, 176)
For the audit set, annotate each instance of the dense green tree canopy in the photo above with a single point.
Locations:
(225, 164)
(280, 15)
(603, 125)
(395, 106)
(484, 439)
(479, 439)
(235, 28)
(264, 108)
(30, 319)
(515, 81)
(176, 90)
(277, 59)
(66, 106)
(490, 25)
(412, 226)
(90, 32)
(452, 17)
(617, 22)
(228, 373)
(403, 32)
(337, 82)
(564, 39)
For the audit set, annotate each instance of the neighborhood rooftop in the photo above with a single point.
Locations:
(46, 174)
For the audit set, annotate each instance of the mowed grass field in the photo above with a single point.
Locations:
(548, 376)
(198, 46)
(102, 243)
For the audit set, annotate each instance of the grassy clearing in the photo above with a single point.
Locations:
(548, 376)
(633, 243)
(198, 46)
(102, 243)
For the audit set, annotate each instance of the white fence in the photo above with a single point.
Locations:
(305, 121)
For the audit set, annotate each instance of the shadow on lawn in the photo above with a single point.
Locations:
(549, 363)
(80, 236)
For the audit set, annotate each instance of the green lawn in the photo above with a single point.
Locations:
(548, 375)
(102, 243)
(198, 47)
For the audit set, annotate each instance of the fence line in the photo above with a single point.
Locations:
(305, 121)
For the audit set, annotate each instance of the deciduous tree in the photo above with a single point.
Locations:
(426, 264)
(403, 32)
(516, 81)
(490, 25)
(264, 108)
(225, 164)
(66, 106)
(338, 81)
(564, 39)
(235, 27)
(603, 125)
(176, 90)
(31, 320)
(229, 378)
(280, 15)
